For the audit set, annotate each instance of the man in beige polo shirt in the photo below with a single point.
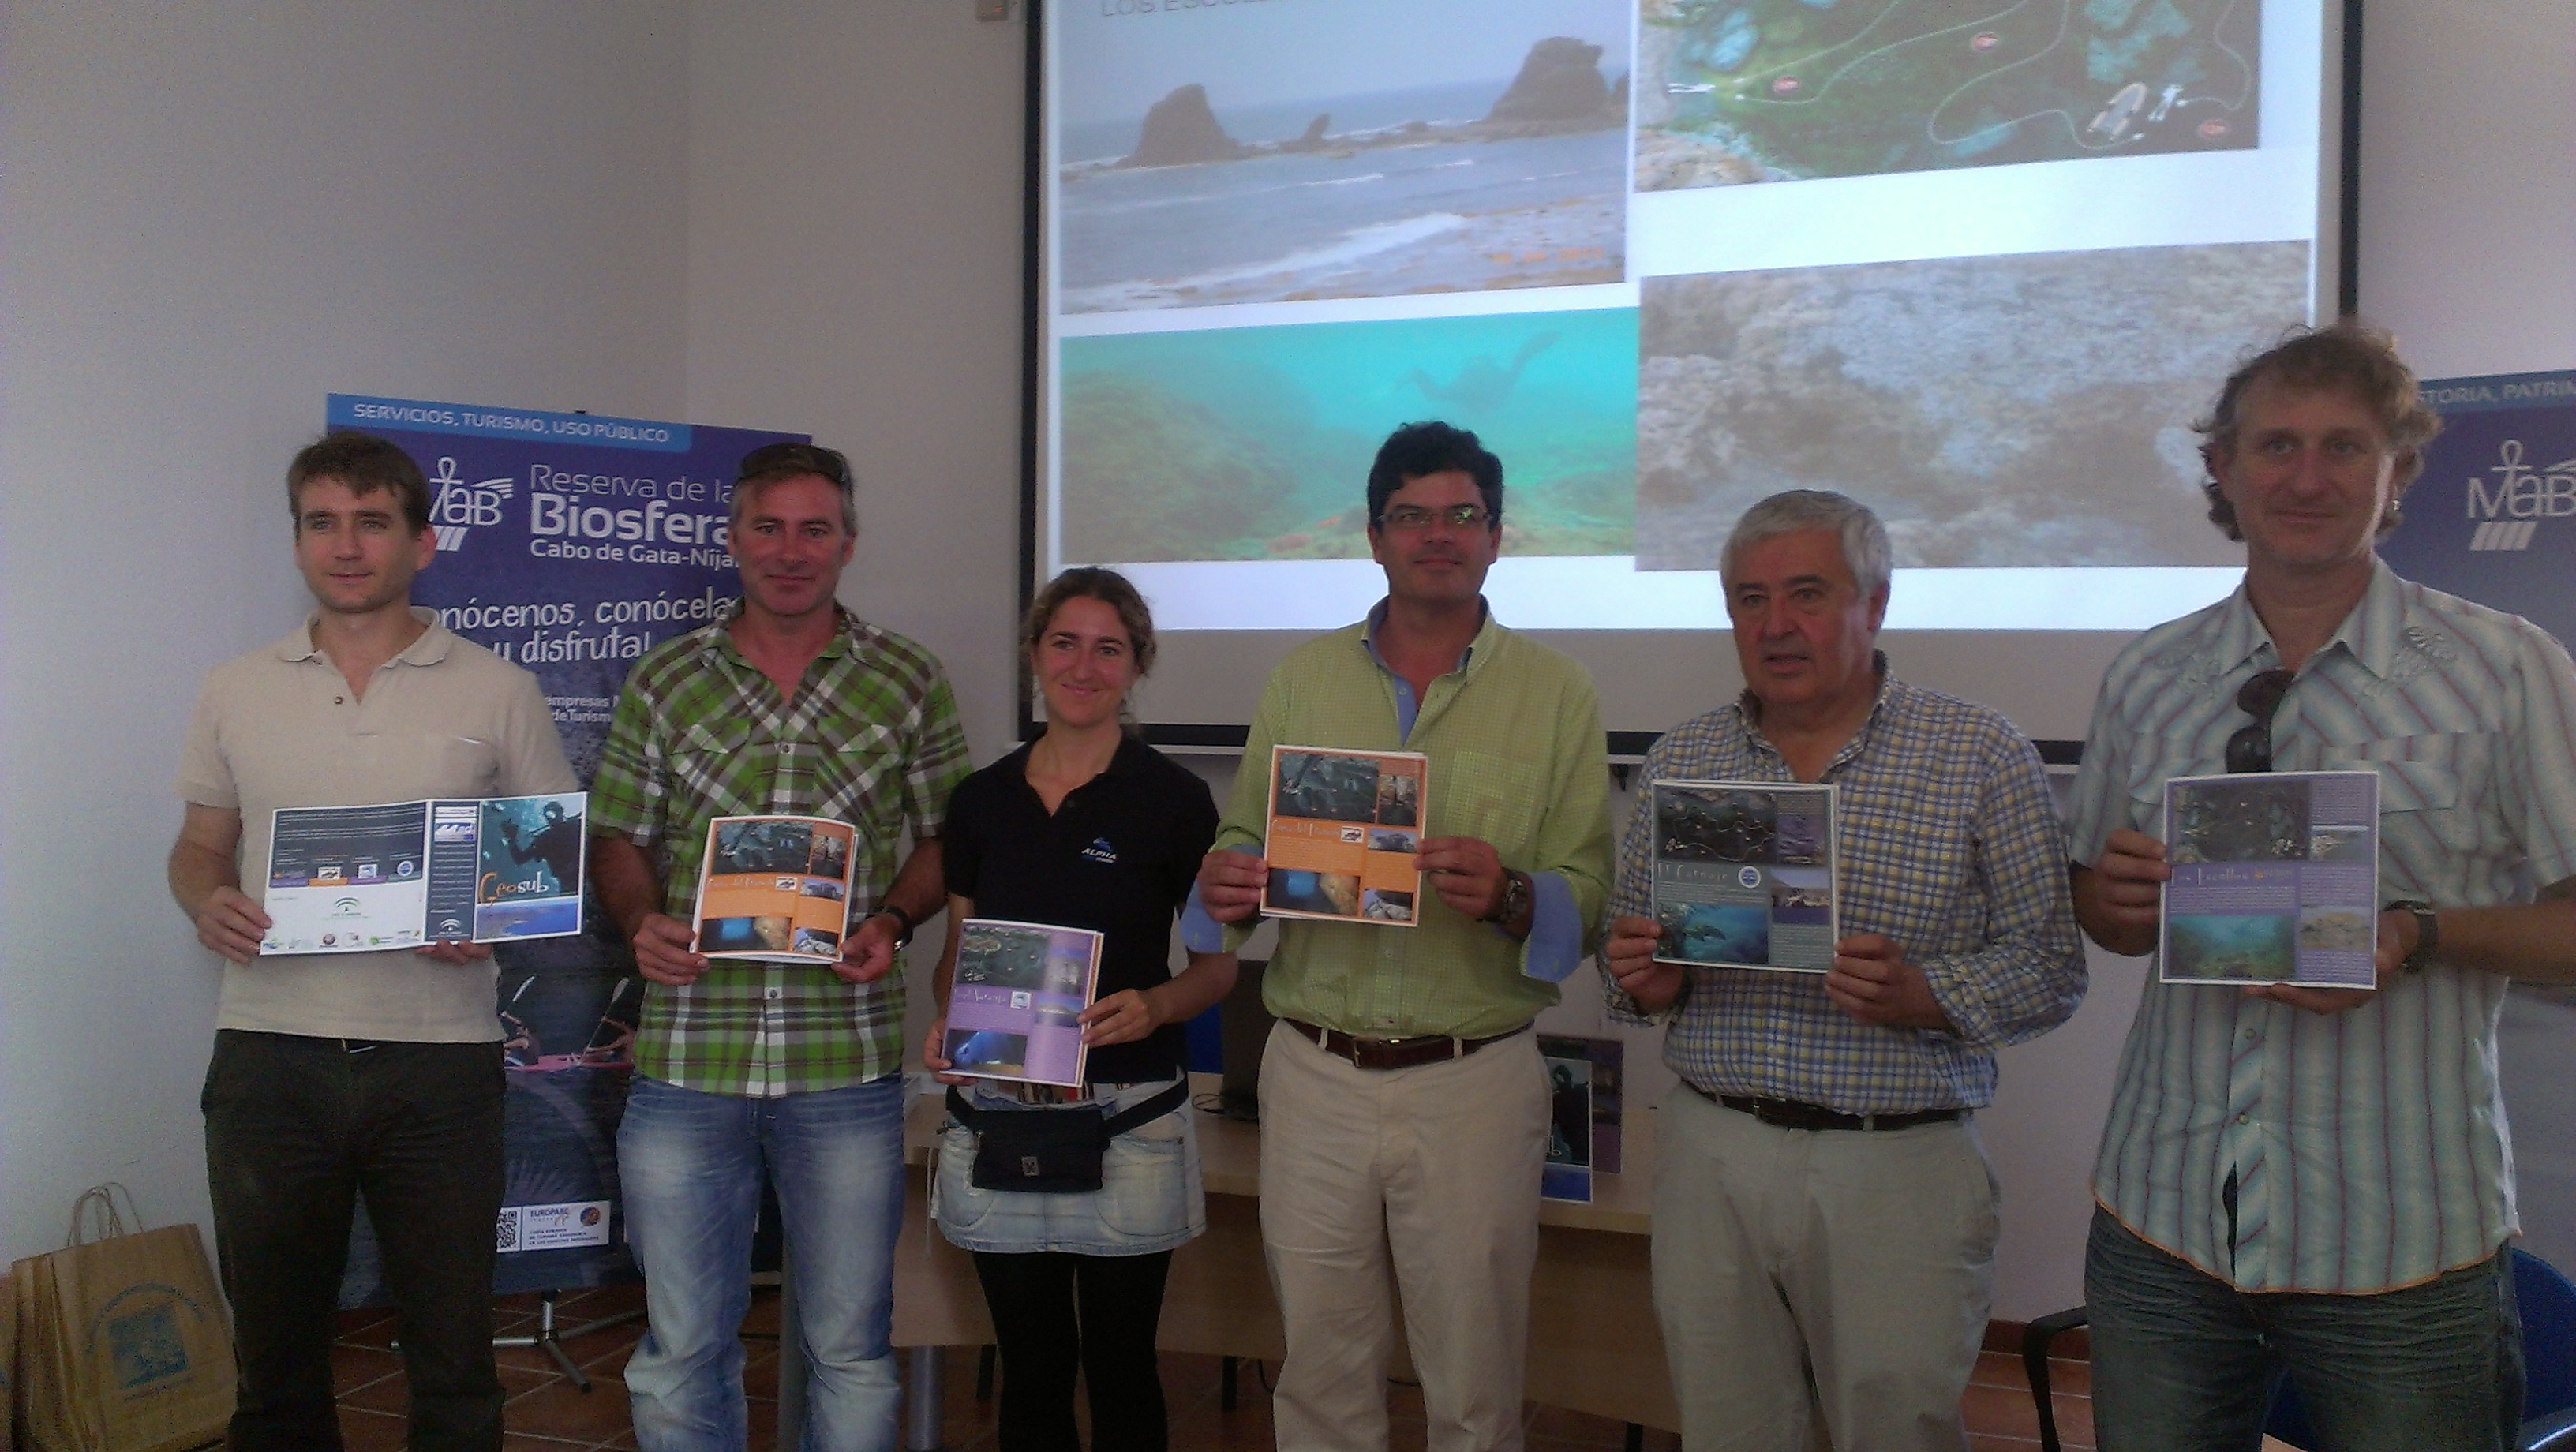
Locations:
(343, 1074)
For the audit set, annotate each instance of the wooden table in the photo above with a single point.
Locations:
(1594, 1343)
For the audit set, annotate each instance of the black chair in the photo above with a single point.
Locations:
(2548, 1305)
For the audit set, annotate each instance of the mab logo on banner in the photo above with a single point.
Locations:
(2509, 505)
(459, 505)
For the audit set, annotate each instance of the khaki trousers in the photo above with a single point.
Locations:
(1435, 1171)
(1849, 1271)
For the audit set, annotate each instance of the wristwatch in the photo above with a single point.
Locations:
(1514, 901)
(2428, 932)
(902, 920)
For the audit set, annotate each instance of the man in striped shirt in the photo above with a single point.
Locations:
(1825, 1218)
(2320, 1179)
(788, 706)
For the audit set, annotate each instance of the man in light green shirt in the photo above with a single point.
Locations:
(1404, 1107)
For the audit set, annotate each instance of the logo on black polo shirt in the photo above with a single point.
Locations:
(1101, 852)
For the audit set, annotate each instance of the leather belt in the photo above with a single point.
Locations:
(1394, 1053)
(1794, 1114)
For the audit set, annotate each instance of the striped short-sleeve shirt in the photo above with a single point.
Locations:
(2368, 1148)
(871, 739)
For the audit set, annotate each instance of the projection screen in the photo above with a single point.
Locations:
(1976, 263)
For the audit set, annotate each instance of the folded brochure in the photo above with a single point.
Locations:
(775, 889)
(1013, 1004)
(1743, 874)
(1343, 832)
(2275, 879)
(367, 878)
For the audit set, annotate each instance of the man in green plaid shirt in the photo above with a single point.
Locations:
(789, 706)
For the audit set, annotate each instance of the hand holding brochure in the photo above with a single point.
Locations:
(1344, 829)
(406, 874)
(2275, 879)
(775, 889)
(1013, 1006)
(1744, 874)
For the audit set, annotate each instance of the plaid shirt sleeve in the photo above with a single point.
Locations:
(2030, 976)
(1632, 888)
(631, 791)
(939, 760)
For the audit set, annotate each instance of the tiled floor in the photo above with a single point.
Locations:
(547, 1413)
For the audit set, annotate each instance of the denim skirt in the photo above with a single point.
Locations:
(1149, 1198)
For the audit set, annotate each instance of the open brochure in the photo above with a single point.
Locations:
(775, 889)
(1744, 875)
(406, 874)
(1344, 829)
(1013, 1005)
(2275, 879)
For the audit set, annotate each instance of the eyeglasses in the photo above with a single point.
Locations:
(1457, 516)
(2250, 749)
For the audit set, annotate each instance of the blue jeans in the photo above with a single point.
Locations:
(2182, 1361)
(691, 1166)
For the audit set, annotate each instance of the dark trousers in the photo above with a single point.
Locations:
(1056, 1313)
(296, 1128)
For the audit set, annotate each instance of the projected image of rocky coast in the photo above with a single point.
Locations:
(1255, 443)
(1295, 162)
(1996, 411)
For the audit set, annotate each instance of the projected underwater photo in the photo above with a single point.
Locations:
(2030, 410)
(1340, 148)
(1735, 91)
(1255, 443)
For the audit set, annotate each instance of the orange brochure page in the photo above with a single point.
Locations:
(1344, 829)
(775, 889)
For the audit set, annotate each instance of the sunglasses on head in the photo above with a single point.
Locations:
(2250, 749)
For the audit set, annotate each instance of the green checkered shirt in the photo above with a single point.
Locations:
(871, 739)
(1514, 737)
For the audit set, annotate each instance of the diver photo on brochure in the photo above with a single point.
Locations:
(775, 889)
(404, 874)
(1015, 1006)
(1344, 829)
(2275, 879)
(1743, 875)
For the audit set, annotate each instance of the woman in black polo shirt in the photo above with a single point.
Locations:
(1085, 827)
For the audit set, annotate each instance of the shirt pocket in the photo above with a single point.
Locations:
(2156, 761)
(853, 770)
(1494, 799)
(705, 763)
(2428, 784)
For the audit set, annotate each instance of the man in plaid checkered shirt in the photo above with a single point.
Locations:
(1825, 1218)
(789, 706)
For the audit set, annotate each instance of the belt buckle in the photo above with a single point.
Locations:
(1376, 1055)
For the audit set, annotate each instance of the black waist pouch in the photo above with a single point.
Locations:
(1051, 1151)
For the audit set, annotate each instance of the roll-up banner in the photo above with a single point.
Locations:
(570, 543)
(2493, 519)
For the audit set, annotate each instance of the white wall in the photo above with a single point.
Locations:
(789, 213)
(214, 214)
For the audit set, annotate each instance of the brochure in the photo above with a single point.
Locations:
(775, 889)
(1012, 1006)
(1745, 875)
(1583, 1114)
(2275, 879)
(405, 874)
(1344, 828)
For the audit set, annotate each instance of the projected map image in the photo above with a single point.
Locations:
(1255, 443)
(1735, 91)
(1341, 150)
(1995, 411)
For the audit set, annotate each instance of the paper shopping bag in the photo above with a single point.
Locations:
(126, 1346)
